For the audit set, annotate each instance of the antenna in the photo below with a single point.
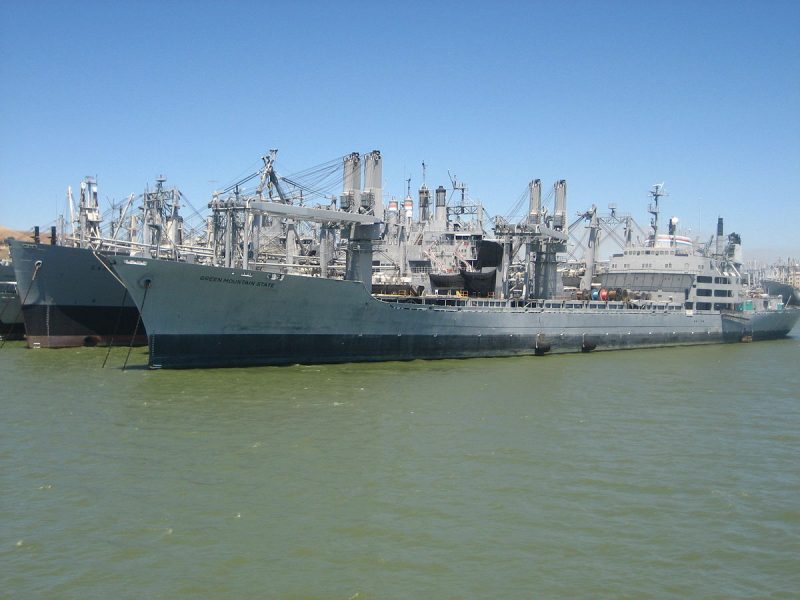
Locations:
(457, 186)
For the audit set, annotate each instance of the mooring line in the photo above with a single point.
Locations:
(119, 314)
(116, 325)
(138, 320)
(107, 268)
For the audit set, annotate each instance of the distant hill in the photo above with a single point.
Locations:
(5, 232)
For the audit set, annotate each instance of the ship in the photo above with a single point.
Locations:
(70, 299)
(67, 297)
(12, 326)
(788, 292)
(210, 316)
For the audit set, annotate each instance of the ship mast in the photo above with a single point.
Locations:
(89, 214)
(657, 192)
(591, 248)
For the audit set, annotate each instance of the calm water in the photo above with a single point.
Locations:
(670, 473)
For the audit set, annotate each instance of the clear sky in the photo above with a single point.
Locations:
(612, 96)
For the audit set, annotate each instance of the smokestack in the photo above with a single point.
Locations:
(53, 235)
(36, 238)
(720, 239)
(535, 206)
(408, 208)
(440, 213)
(352, 181)
(424, 203)
(373, 177)
(560, 215)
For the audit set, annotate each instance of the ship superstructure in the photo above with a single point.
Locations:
(670, 267)
(442, 238)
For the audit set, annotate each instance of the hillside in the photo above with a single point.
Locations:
(5, 232)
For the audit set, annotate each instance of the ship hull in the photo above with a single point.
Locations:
(239, 350)
(64, 326)
(69, 298)
(758, 325)
(788, 293)
(12, 327)
(200, 316)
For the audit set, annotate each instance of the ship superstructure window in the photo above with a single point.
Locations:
(703, 292)
(722, 280)
(722, 293)
(703, 306)
(704, 279)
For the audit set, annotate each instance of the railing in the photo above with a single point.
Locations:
(479, 304)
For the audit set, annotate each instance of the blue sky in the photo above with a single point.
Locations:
(611, 96)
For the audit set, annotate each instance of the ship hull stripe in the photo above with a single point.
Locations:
(54, 326)
(223, 350)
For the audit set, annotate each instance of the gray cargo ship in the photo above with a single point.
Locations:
(12, 326)
(70, 299)
(206, 316)
(789, 293)
(200, 316)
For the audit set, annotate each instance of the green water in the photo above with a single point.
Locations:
(671, 473)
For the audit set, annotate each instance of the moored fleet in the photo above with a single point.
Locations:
(284, 271)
